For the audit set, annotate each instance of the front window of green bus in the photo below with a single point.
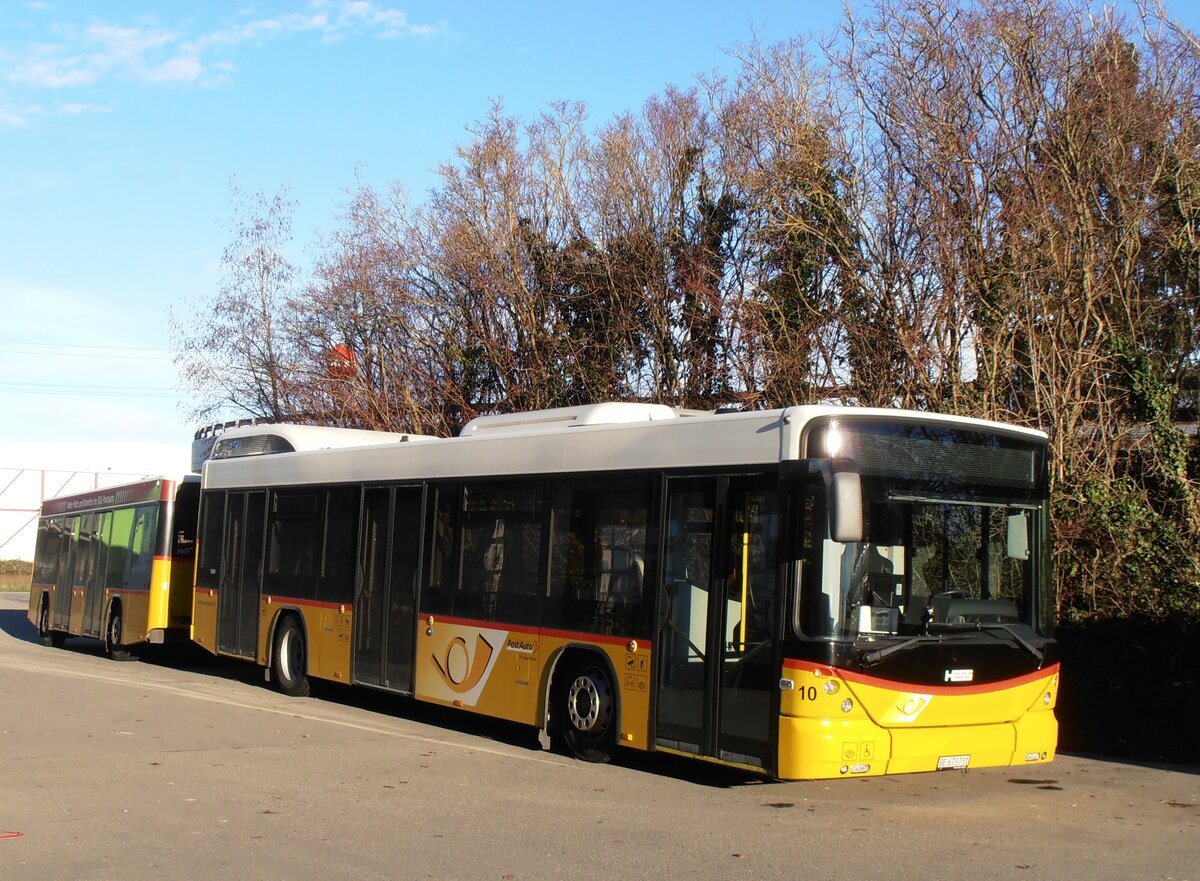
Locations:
(949, 534)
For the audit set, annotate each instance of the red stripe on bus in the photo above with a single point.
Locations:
(274, 598)
(596, 637)
(896, 685)
(37, 586)
(535, 631)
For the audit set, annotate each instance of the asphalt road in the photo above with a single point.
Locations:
(189, 768)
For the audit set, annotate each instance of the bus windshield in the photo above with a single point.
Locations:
(952, 523)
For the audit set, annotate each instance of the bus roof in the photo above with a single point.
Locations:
(150, 489)
(561, 441)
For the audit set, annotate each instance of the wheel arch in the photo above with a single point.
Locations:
(571, 656)
(273, 628)
(111, 603)
(43, 608)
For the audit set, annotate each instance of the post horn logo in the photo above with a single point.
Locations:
(461, 669)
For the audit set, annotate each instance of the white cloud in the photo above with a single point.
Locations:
(12, 116)
(47, 67)
(74, 108)
(180, 69)
(83, 58)
(263, 29)
(15, 116)
(125, 46)
(76, 58)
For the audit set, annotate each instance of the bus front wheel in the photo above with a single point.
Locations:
(587, 713)
(289, 659)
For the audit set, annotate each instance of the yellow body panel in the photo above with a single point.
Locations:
(134, 604)
(143, 610)
(158, 610)
(896, 729)
(135, 614)
(328, 631)
(204, 618)
(75, 622)
(181, 579)
(506, 672)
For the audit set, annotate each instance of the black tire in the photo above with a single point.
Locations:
(113, 647)
(49, 637)
(289, 659)
(586, 712)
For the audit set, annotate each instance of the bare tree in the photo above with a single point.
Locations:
(236, 353)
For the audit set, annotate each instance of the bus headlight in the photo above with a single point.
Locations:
(847, 705)
(832, 687)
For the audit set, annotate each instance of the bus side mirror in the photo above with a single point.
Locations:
(846, 507)
(1018, 536)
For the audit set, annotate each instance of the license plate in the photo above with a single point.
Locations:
(949, 763)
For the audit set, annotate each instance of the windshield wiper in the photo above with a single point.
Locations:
(878, 655)
(1017, 638)
(874, 657)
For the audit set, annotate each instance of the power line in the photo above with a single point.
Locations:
(82, 385)
(104, 391)
(87, 355)
(49, 345)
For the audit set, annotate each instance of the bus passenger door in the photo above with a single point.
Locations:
(683, 645)
(93, 606)
(85, 571)
(61, 617)
(748, 713)
(385, 598)
(241, 574)
(716, 651)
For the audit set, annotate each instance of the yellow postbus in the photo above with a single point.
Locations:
(812, 592)
(116, 564)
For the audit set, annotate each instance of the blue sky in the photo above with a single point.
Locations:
(122, 125)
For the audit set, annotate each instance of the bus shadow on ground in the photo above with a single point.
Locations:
(196, 660)
(15, 623)
(191, 658)
(524, 737)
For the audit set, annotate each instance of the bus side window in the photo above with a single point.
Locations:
(501, 551)
(119, 548)
(293, 543)
(598, 557)
(339, 545)
(49, 546)
(141, 547)
(212, 518)
(441, 567)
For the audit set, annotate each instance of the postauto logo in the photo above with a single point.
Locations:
(464, 663)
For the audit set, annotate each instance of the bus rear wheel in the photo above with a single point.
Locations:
(113, 646)
(587, 713)
(49, 637)
(289, 659)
